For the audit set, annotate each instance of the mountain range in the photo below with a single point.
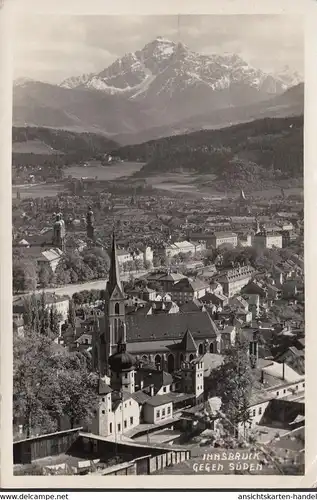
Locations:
(163, 89)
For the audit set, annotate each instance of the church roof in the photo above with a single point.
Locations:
(188, 344)
(142, 328)
(114, 282)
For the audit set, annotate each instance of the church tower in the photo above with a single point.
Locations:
(90, 224)
(122, 365)
(59, 233)
(114, 307)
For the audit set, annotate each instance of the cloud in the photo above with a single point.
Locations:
(52, 48)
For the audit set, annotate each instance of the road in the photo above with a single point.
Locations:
(88, 285)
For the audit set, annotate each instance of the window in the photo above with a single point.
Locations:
(117, 308)
(125, 424)
(277, 393)
(110, 427)
(284, 391)
(260, 410)
(297, 388)
(131, 420)
(125, 405)
(303, 384)
(103, 399)
(163, 412)
(129, 403)
(125, 375)
(158, 414)
(164, 389)
(119, 427)
(254, 412)
(125, 386)
(103, 412)
(169, 410)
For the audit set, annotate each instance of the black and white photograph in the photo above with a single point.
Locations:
(158, 303)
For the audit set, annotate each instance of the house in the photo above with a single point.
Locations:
(117, 412)
(234, 280)
(253, 303)
(45, 258)
(223, 238)
(215, 297)
(158, 408)
(188, 289)
(127, 256)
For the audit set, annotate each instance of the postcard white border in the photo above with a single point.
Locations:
(307, 9)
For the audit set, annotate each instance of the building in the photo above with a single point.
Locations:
(265, 239)
(49, 258)
(188, 289)
(184, 247)
(130, 393)
(234, 280)
(59, 233)
(127, 256)
(223, 238)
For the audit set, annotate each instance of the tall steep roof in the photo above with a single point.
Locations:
(188, 344)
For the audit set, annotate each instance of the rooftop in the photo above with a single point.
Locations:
(171, 397)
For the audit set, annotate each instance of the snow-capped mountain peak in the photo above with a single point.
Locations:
(77, 81)
(165, 68)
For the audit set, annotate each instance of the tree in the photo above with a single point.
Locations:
(27, 311)
(24, 276)
(45, 276)
(54, 322)
(232, 381)
(72, 314)
(31, 372)
(49, 382)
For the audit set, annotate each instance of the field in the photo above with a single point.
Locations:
(104, 173)
(193, 184)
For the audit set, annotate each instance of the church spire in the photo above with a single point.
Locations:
(114, 273)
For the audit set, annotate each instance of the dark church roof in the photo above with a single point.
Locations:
(121, 361)
(168, 327)
(187, 344)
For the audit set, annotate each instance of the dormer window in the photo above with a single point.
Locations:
(117, 308)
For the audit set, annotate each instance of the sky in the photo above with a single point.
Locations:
(52, 48)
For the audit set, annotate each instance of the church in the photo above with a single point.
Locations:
(166, 340)
(133, 390)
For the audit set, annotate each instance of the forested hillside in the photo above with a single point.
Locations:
(262, 149)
